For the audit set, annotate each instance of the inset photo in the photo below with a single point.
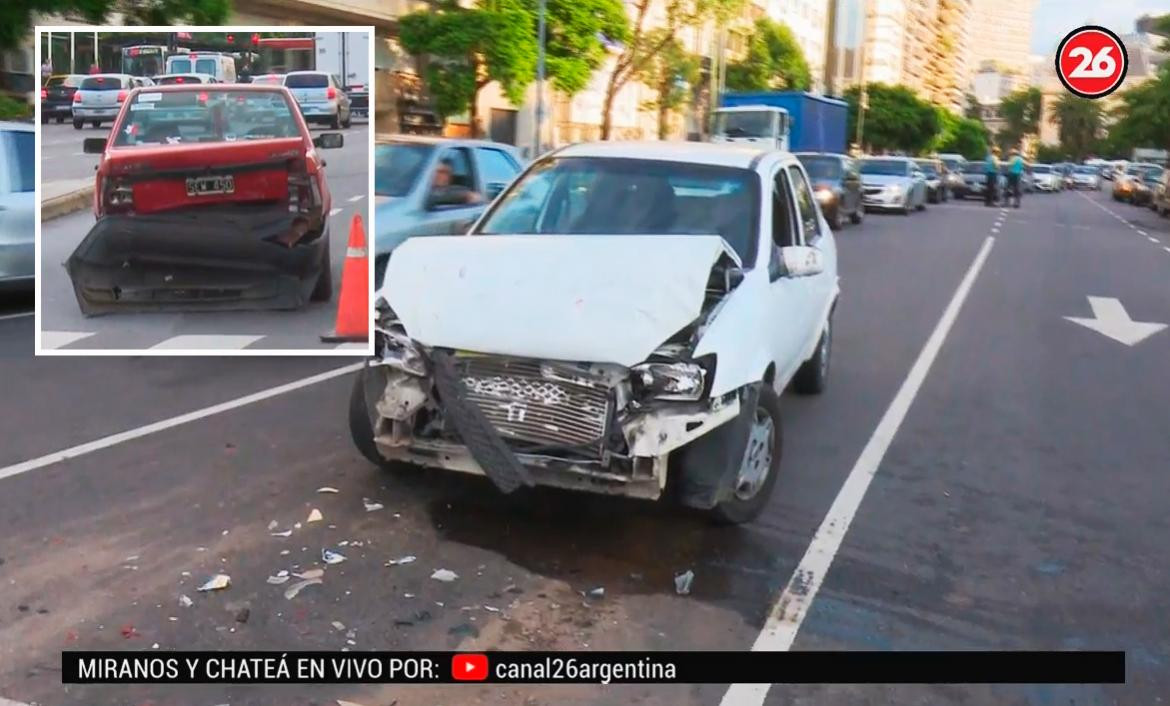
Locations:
(204, 191)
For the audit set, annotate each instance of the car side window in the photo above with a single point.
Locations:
(496, 167)
(783, 222)
(810, 224)
(462, 173)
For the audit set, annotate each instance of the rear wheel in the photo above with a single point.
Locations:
(77, 124)
(348, 120)
(335, 121)
(757, 473)
(813, 376)
(96, 123)
(60, 120)
(323, 290)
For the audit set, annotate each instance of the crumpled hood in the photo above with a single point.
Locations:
(581, 298)
(884, 179)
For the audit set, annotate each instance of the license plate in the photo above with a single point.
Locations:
(208, 185)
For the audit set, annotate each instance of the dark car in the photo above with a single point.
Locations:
(57, 97)
(836, 184)
(211, 198)
(937, 188)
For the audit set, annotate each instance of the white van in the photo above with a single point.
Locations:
(221, 66)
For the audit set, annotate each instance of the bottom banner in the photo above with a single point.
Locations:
(960, 667)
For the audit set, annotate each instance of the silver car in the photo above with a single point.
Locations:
(409, 199)
(320, 97)
(892, 183)
(100, 96)
(1085, 177)
(17, 206)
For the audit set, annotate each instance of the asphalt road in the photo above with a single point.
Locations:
(63, 325)
(1020, 502)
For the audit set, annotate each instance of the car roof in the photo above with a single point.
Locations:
(294, 73)
(108, 76)
(386, 138)
(179, 87)
(715, 154)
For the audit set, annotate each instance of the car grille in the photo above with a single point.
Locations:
(873, 190)
(535, 402)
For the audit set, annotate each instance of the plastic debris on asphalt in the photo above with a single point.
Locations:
(491, 609)
(128, 632)
(683, 581)
(311, 574)
(338, 626)
(402, 560)
(444, 575)
(315, 516)
(273, 525)
(372, 506)
(292, 591)
(277, 580)
(286, 533)
(331, 557)
(347, 703)
(243, 615)
(598, 592)
(185, 601)
(216, 583)
(327, 489)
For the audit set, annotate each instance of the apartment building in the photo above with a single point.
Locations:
(885, 41)
(1001, 32)
(845, 44)
(809, 22)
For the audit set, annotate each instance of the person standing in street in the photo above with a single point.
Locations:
(991, 174)
(46, 71)
(1015, 175)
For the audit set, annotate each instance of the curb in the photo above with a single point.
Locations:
(65, 204)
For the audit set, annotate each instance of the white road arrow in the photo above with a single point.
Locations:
(1111, 319)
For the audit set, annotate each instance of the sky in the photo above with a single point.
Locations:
(1055, 18)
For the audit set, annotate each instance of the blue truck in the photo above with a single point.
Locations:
(795, 121)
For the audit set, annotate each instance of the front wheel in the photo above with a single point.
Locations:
(77, 124)
(760, 466)
(813, 375)
(96, 123)
(368, 386)
(835, 221)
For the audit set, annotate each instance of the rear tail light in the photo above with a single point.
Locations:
(303, 194)
(331, 93)
(77, 97)
(179, 79)
(202, 97)
(122, 96)
(44, 94)
(119, 196)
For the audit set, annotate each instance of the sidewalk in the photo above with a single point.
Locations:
(61, 197)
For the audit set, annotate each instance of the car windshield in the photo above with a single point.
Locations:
(269, 80)
(397, 167)
(821, 168)
(1085, 170)
(973, 168)
(884, 167)
(1041, 169)
(928, 168)
(172, 80)
(1153, 174)
(608, 196)
(16, 161)
(306, 80)
(953, 164)
(102, 83)
(746, 124)
(70, 81)
(206, 115)
(150, 64)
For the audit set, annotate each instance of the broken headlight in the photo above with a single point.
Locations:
(391, 344)
(669, 381)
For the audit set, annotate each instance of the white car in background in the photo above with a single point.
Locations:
(892, 184)
(17, 206)
(99, 98)
(622, 311)
(1086, 177)
(320, 97)
(1046, 178)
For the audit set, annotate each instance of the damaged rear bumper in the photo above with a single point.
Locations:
(205, 259)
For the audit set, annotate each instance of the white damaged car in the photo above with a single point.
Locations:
(622, 319)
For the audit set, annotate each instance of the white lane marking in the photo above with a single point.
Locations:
(1142, 232)
(995, 230)
(60, 339)
(355, 199)
(792, 606)
(1152, 239)
(8, 702)
(131, 434)
(1167, 249)
(335, 211)
(16, 316)
(206, 342)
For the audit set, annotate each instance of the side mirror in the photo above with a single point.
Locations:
(329, 140)
(802, 261)
(93, 145)
(494, 189)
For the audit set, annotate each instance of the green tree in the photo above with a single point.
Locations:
(965, 136)
(644, 45)
(673, 74)
(897, 119)
(1079, 121)
(16, 15)
(774, 61)
(971, 107)
(1046, 154)
(1020, 111)
(572, 48)
(471, 47)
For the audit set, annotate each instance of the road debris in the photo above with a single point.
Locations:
(286, 534)
(273, 525)
(278, 579)
(216, 583)
(372, 506)
(185, 601)
(327, 489)
(315, 516)
(243, 615)
(338, 626)
(297, 587)
(347, 703)
(598, 592)
(683, 581)
(444, 575)
(311, 574)
(128, 632)
(464, 630)
(408, 559)
(331, 557)
(491, 609)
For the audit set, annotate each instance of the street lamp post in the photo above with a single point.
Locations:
(537, 138)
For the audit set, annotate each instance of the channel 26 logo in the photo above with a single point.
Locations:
(1091, 61)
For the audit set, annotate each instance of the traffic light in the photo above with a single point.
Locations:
(231, 39)
(255, 39)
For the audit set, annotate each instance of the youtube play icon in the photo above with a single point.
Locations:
(469, 667)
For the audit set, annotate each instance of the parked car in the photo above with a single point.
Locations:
(17, 206)
(1161, 199)
(198, 213)
(57, 97)
(412, 198)
(320, 97)
(175, 79)
(892, 183)
(836, 186)
(954, 165)
(1125, 183)
(1086, 177)
(1046, 179)
(937, 189)
(1144, 185)
(99, 98)
(674, 374)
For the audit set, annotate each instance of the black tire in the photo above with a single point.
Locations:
(348, 120)
(323, 290)
(921, 206)
(738, 510)
(77, 124)
(335, 121)
(858, 214)
(60, 120)
(361, 409)
(813, 375)
(95, 123)
(835, 221)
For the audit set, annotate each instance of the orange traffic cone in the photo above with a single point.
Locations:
(353, 305)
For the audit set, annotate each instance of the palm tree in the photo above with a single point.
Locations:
(1079, 120)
